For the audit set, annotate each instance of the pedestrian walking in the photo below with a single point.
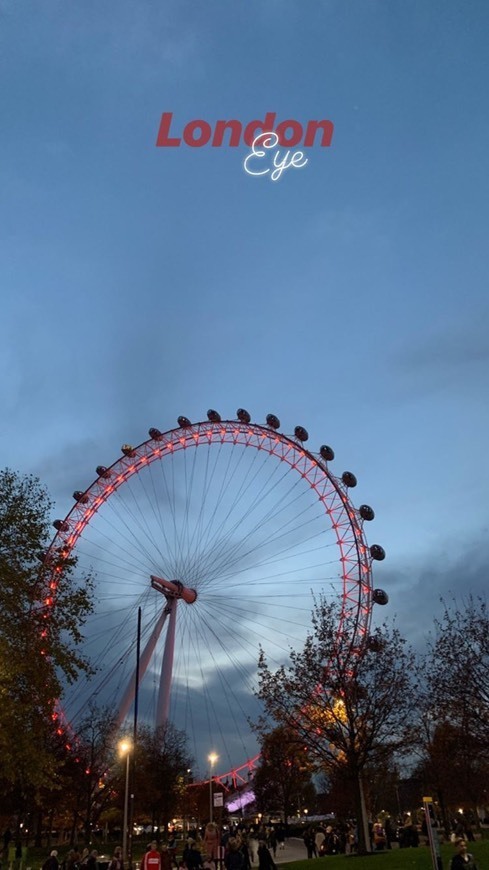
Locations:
(116, 863)
(92, 860)
(166, 861)
(309, 842)
(52, 862)
(152, 859)
(233, 859)
(265, 860)
(211, 840)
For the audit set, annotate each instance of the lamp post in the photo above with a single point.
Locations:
(212, 760)
(125, 750)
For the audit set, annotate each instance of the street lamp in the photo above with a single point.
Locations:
(125, 747)
(212, 760)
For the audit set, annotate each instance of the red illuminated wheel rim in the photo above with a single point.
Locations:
(252, 521)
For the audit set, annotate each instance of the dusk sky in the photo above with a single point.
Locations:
(351, 296)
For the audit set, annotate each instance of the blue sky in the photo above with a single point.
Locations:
(350, 297)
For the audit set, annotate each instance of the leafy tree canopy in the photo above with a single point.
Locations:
(38, 649)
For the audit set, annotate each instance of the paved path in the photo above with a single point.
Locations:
(294, 851)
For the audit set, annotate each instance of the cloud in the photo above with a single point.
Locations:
(464, 345)
(416, 590)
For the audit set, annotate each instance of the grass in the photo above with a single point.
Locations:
(395, 859)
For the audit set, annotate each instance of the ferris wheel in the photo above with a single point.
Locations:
(221, 532)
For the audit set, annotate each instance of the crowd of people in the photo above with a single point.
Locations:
(383, 832)
(241, 847)
(75, 860)
(236, 849)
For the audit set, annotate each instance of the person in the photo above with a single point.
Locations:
(186, 850)
(331, 842)
(72, 861)
(281, 836)
(166, 861)
(378, 835)
(389, 832)
(152, 859)
(265, 860)
(408, 834)
(233, 859)
(272, 840)
(252, 845)
(211, 840)
(52, 862)
(462, 860)
(351, 838)
(191, 856)
(172, 849)
(319, 838)
(92, 862)
(309, 842)
(116, 863)
(245, 851)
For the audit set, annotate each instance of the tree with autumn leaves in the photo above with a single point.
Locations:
(351, 709)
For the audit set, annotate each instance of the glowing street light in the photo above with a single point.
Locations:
(212, 758)
(125, 747)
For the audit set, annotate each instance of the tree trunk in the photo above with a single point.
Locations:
(363, 834)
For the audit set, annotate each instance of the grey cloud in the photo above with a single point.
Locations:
(464, 346)
(416, 591)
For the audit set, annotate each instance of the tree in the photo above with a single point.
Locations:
(162, 760)
(457, 668)
(350, 707)
(38, 643)
(283, 780)
(454, 707)
(89, 779)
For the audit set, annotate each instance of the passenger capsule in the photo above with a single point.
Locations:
(155, 434)
(374, 643)
(349, 479)
(300, 433)
(61, 525)
(213, 416)
(377, 552)
(128, 450)
(184, 422)
(80, 496)
(366, 512)
(327, 453)
(102, 471)
(273, 421)
(243, 416)
(380, 597)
